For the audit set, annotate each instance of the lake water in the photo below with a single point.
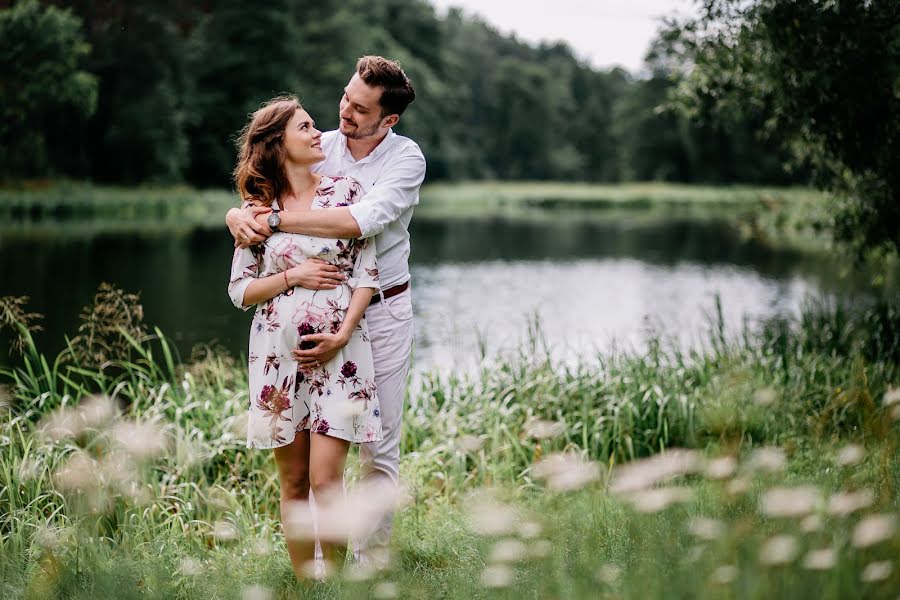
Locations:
(592, 282)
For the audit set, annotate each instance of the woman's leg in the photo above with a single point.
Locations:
(327, 457)
(293, 475)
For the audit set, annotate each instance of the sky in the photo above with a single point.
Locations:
(605, 33)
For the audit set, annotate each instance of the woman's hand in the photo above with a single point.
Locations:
(315, 274)
(326, 347)
(244, 227)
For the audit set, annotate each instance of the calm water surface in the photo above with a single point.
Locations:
(479, 284)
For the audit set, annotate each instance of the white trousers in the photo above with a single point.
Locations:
(391, 335)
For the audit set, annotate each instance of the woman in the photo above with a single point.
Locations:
(309, 413)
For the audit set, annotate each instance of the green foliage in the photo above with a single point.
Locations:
(824, 76)
(44, 88)
(177, 79)
(126, 498)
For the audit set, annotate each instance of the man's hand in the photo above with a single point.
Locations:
(326, 347)
(315, 274)
(244, 227)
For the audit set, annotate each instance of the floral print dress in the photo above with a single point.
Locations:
(338, 398)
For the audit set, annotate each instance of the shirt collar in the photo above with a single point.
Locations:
(378, 151)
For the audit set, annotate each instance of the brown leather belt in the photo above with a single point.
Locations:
(390, 292)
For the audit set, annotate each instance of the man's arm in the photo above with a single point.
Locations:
(392, 195)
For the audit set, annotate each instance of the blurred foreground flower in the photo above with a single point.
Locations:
(851, 454)
(141, 440)
(658, 499)
(339, 516)
(789, 501)
(877, 571)
(892, 396)
(386, 589)
(497, 576)
(541, 429)
(566, 471)
(721, 468)
(609, 573)
(490, 517)
(842, 504)
(256, 592)
(725, 574)
(873, 530)
(768, 459)
(820, 560)
(507, 550)
(705, 528)
(646, 472)
(778, 550)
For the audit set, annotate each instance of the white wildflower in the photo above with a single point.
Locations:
(789, 501)
(851, 454)
(738, 486)
(844, 503)
(705, 528)
(721, 468)
(507, 550)
(542, 429)
(656, 500)
(224, 531)
(609, 573)
(725, 574)
(469, 443)
(767, 459)
(385, 590)
(778, 550)
(540, 549)
(141, 440)
(497, 576)
(811, 523)
(566, 471)
(877, 571)
(892, 396)
(489, 517)
(190, 566)
(820, 560)
(644, 473)
(96, 411)
(529, 530)
(256, 591)
(765, 396)
(873, 530)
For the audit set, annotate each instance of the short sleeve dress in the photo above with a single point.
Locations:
(339, 397)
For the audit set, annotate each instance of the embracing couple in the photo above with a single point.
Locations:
(321, 252)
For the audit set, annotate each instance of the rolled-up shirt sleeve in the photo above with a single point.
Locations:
(392, 195)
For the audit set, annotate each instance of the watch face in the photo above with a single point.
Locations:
(274, 220)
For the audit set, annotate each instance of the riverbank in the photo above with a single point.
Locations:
(787, 217)
(789, 485)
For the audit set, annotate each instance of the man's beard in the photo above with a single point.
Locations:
(358, 134)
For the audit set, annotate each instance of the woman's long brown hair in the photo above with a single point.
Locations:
(259, 173)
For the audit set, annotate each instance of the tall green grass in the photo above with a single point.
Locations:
(197, 515)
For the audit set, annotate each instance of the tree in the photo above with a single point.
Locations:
(824, 76)
(41, 50)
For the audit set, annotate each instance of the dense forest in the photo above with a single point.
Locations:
(154, 91)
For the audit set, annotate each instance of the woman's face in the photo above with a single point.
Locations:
(302, 141)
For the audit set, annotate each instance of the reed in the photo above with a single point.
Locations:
(758, 467)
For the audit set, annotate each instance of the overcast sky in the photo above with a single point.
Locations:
(603, 32)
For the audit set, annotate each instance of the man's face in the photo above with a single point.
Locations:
(360, 111)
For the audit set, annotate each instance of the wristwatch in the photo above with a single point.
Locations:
(274, 220)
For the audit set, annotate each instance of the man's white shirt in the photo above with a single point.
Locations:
(390, 176)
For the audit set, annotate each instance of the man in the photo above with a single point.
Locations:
(390, 169)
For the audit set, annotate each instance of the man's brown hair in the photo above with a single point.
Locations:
(396, 89)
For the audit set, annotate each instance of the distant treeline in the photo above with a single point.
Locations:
(155, 90)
